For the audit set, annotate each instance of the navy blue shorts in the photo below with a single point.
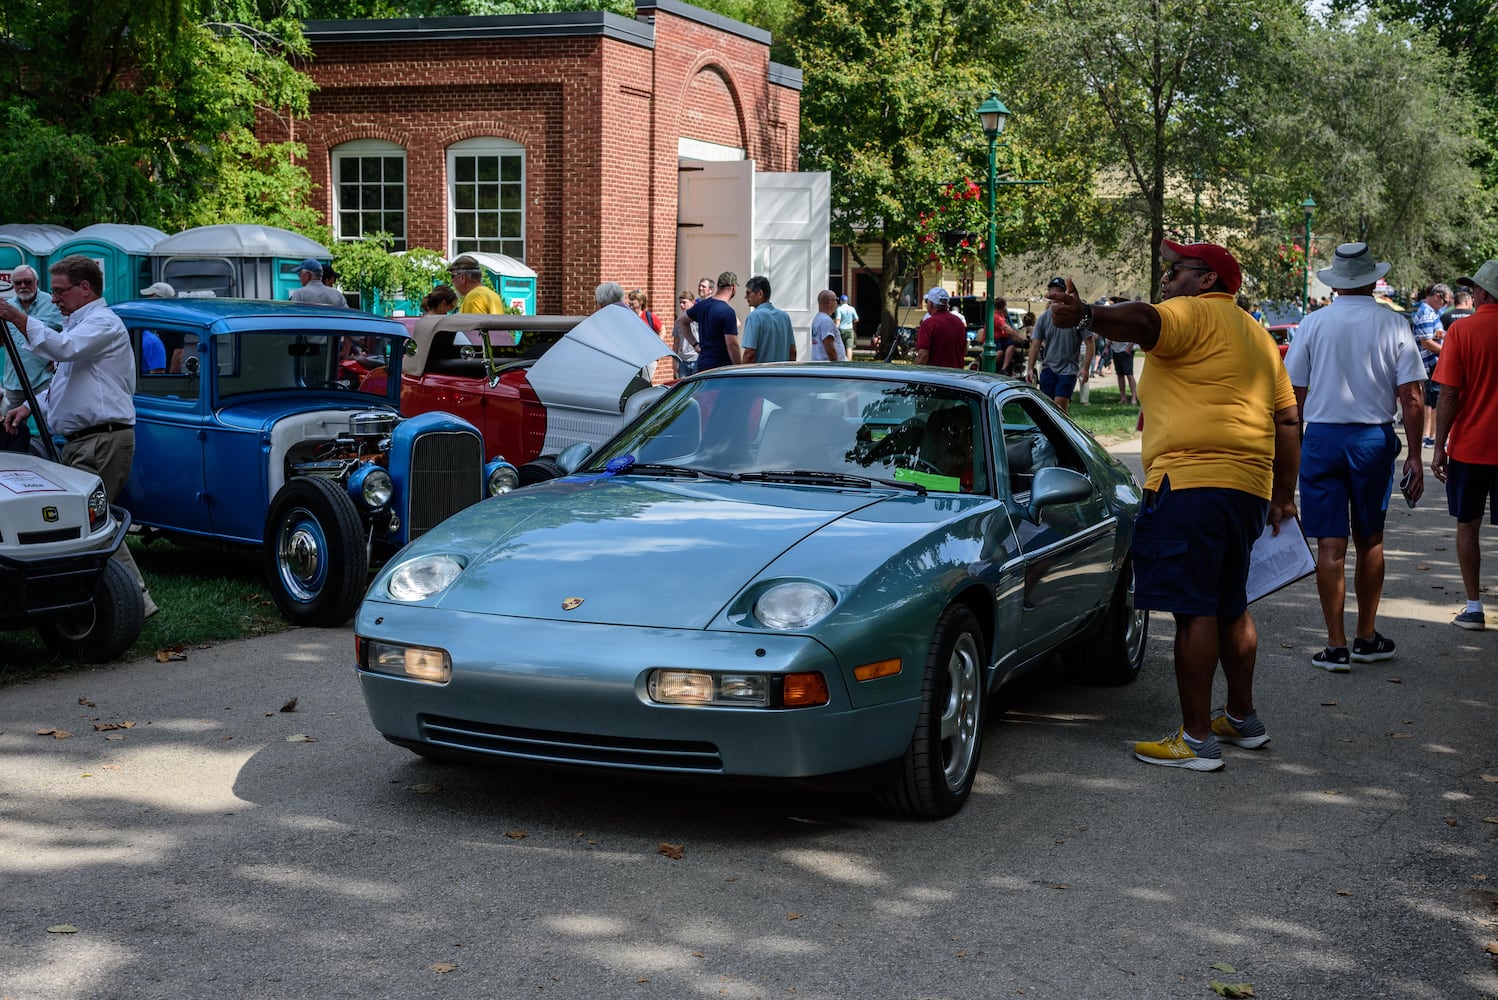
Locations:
(1346, 466)
(1054, 386)
(1191, 550)
(1123, 364)
(1470, 488)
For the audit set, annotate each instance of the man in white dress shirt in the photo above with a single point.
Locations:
(91, 399)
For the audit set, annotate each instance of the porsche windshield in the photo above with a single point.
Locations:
(875, 429)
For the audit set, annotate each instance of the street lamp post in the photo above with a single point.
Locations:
(1197, 180)
(1309, 207)
(992, 114)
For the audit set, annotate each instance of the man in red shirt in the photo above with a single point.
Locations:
(941, 339)
(1466, 452)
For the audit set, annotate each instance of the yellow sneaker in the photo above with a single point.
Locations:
(1174, 751)
(1249, 733)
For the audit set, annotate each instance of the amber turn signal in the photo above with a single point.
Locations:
(804, 690)
(884, 668)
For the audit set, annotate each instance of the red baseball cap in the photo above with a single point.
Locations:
(1210, 254)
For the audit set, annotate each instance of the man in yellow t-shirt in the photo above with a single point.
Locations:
(468, 281)
(1221, 455)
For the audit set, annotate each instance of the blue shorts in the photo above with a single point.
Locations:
(1054, 386)
(1123, 364)
(1342, 466)
(1191, 550)
(1470, 488)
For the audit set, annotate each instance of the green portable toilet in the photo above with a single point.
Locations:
(28, 243)
(237, 260)
(122, 252)
(514, 282)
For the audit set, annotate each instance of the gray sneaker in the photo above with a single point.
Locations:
(1473, 620)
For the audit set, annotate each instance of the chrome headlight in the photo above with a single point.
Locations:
(98, 508)
(422, 577)
(500, 477)
(794, 605)
(371, 487)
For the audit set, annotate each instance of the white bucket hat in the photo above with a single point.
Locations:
(1353, 267)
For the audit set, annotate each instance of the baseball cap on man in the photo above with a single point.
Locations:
(1057, 283)
(1486, 278)
(1210, 254)
(158, 290)
(315, 266)
(728, 278)
(464, 263)
(937, 296)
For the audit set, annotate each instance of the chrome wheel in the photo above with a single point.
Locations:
(301, 555)
(959, 717)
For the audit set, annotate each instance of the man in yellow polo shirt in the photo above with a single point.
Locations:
(468, 281)
(1221, 455)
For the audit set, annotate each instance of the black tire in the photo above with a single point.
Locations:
(315, 557)
(539, 471)
(936, 773)
(103, 630)
(1115, 652)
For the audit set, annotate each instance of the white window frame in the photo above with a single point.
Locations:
(361, 149)
(479, 241)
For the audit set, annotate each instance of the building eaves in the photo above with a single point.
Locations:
(415, 30)
(782, 75)
(647, 8)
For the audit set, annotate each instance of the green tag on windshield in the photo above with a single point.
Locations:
(930, 480)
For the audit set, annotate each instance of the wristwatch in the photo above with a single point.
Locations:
(1085, 323)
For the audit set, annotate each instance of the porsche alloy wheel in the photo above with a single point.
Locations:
(936, 774)
(1116, 651)
(315, 557)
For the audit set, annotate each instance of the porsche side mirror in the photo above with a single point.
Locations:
(1053, 485)
(572, 457)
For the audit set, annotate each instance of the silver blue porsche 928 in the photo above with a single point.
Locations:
(777, 571)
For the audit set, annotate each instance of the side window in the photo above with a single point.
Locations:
(1031, 441)
(161, 363)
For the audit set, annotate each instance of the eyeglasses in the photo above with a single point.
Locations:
(1174, 269)
(23, 281)
(61, 289)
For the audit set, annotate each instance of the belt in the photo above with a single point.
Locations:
(96, 429)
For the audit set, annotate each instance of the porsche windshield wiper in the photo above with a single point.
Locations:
(657, 468)
(829, 478)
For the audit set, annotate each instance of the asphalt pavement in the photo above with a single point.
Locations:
(216, 846)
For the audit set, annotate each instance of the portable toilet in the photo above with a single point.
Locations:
(121, 252)
(235, 260)
(514, 282)
(28, 243)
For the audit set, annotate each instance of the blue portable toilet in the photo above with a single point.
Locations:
(514, 282)
(28, 243)
(122, 252)
(235, 260)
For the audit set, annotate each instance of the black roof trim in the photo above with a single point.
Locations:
(647, 7)
(417, 29)
(782, 75)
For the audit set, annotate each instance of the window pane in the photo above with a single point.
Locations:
(513, 248)
(488, 197)
(395, 198)
(488, 167)
(509, 197)
(464, 225)
(395, 169)
(348, 168)
(369, 196)
(463, 197)
(510, 168)
(510, 225)
(488, 226)
(369, 168)
(463, 169)
(348, 225)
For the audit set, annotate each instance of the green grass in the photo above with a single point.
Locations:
(1104, 417)
(206, 594)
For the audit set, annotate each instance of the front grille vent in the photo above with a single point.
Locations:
(572, 748)
(446, 476)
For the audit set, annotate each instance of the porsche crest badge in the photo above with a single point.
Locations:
(572, 603)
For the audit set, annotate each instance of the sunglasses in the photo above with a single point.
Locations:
(1174, 269)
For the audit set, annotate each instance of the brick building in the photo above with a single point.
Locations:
(556, 139)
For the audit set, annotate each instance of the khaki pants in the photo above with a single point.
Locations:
(108, 456)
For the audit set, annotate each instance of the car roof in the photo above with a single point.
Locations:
(956, 378)
(430, 328)
(256, 315)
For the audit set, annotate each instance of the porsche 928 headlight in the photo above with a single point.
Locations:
(98, 508)
(422, 577)
(794, 605)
